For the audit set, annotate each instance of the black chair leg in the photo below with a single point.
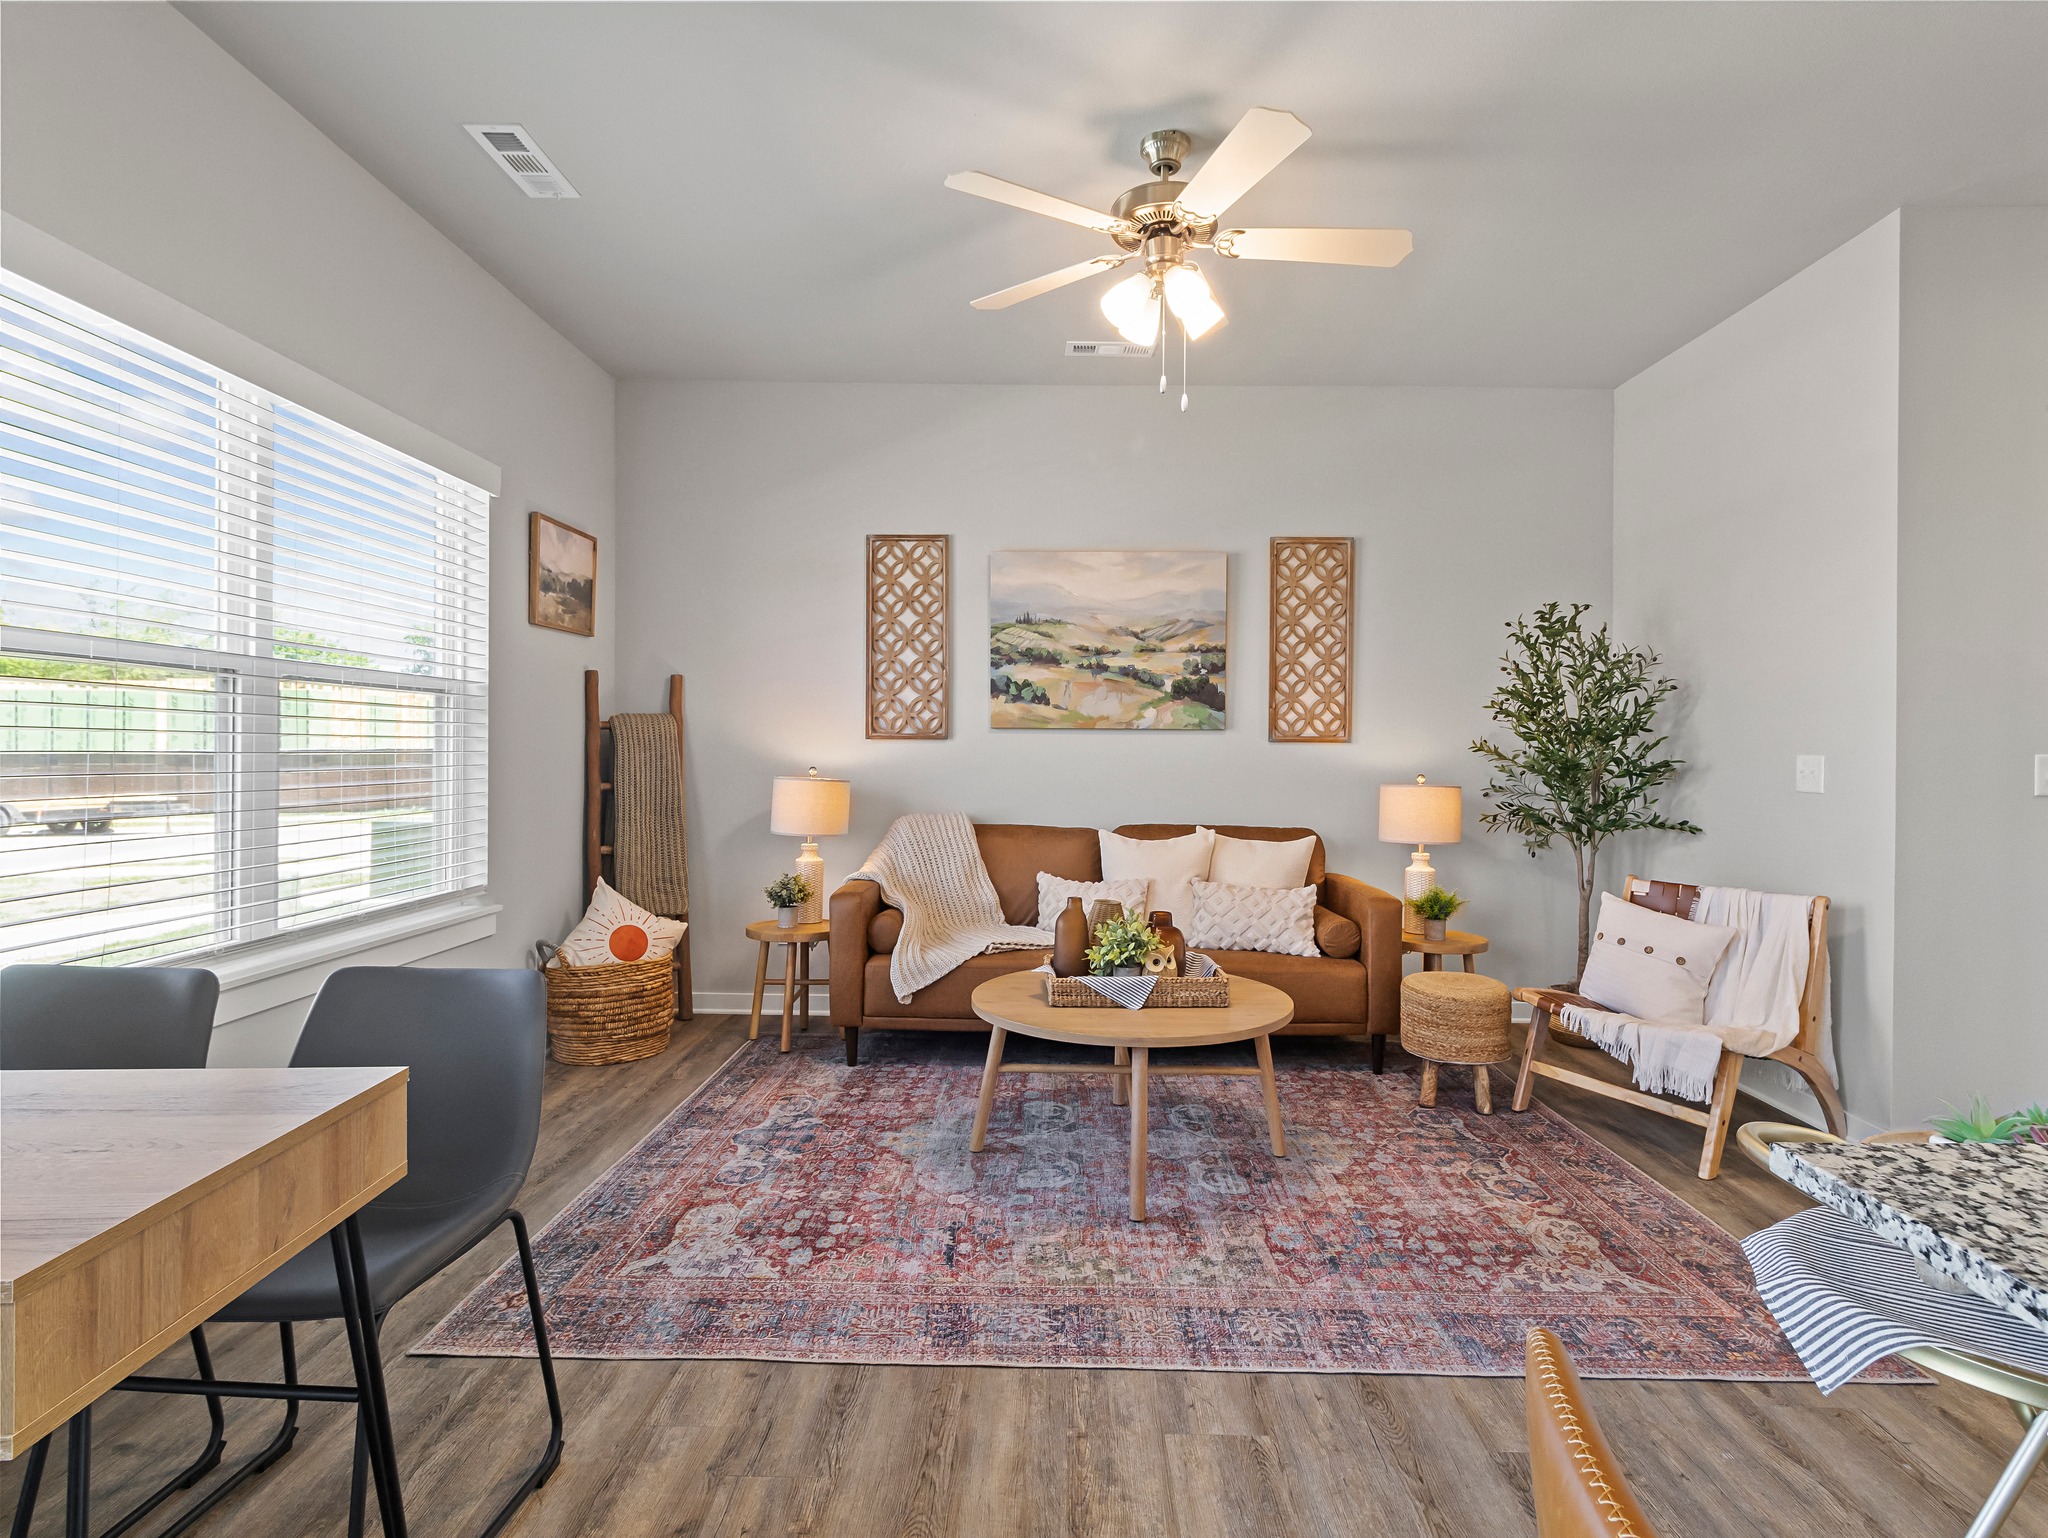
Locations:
(273, 1450)
(78, 1476)
(359, 1478)
(551, 1456)
(31, 1482)
(372, 1408)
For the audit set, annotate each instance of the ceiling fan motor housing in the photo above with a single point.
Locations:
(1164, 150)
(1153, 210)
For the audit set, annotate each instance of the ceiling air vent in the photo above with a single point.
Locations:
(521, 159)
(1107, 350)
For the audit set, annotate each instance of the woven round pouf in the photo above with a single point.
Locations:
(1455, 1017)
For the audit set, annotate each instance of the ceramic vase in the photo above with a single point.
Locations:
(1433, 929)
(785, 918)
(1170, 939)
(1070, 940)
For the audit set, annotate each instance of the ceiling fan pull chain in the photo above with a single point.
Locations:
(1160, 343)
(1183, 365)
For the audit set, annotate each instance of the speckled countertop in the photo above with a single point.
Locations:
(1976, 1212)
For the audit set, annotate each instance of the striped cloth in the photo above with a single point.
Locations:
(1845, 1297)
(1132, 992)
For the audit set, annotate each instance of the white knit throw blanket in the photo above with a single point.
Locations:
(929, 865)
(1752, 1002)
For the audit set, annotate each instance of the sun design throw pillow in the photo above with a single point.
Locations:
(1255, 918)
(614, 929)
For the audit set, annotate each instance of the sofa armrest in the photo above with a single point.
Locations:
(854, 907)
(1378, 917)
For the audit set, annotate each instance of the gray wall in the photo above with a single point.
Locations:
(743, 513)
(135, 139)
(1755, 547)
(1973, 656)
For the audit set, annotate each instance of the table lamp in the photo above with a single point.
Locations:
(1419, 814)
(810, 807)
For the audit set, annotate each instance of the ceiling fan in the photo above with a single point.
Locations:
(1159, 222)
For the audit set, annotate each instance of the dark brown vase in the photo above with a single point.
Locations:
(1170, 939)
(1070, 940)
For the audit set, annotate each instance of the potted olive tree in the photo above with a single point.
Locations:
(1584, 761)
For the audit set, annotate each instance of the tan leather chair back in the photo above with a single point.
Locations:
(1577, 1487)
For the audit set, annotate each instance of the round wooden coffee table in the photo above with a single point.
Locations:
(1016, 1002)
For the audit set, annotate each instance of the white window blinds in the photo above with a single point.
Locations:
(243, 655)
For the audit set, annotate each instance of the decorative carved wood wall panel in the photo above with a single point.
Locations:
(907, 595)
(1310, 680)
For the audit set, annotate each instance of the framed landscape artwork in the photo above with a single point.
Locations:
(561, 576)
(1128, 640)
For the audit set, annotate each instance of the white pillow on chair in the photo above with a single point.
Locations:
(1653, 966)
(1172, 865)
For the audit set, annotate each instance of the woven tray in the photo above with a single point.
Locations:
(1167, 993)
(609, 1014)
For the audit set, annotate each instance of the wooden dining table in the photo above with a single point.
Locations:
(135, 1203)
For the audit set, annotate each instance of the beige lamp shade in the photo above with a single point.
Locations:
(1421, 814)
(808, 806)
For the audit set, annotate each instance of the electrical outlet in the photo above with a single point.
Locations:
(1810, 773)
(2041, 774)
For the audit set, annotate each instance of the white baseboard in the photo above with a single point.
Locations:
(709, 1003)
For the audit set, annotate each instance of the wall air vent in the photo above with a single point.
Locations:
(1107, 350)
(512, 147)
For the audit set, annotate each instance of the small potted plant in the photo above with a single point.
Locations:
(1121, 946)
(1980, 1125)
(786, 894)
(1435, 908)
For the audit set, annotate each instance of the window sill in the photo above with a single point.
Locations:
(269, 976)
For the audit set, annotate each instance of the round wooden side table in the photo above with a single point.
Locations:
(795, 980)
(1016, 1002)
(1454, 943)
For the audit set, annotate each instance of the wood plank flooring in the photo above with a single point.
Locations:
(723, 1449)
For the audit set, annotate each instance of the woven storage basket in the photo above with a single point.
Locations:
(609, 1014)
(1454, 1017)
(1167, 993)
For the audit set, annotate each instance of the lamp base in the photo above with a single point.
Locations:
(810, 865)
(1418, 878)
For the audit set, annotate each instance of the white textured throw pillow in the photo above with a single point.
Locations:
(1254, 918)
(1171, 865)
(1261, 861)
(1053, 892)
(1652, 965)
(616, 929)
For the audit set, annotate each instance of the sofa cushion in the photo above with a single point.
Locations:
(1170, 866)
(886, 925)
(1229, 830)
(1255, 918)
(1015, 852)
(1053, 892)
(950, 998)
(1325, 991)
(1262, 861)
(1335, 934)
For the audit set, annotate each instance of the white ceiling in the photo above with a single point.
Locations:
(1590, 185)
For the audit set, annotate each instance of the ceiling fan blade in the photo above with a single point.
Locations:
(994, 188)
(1262, 139)
(1003, 298)
(1353, 248)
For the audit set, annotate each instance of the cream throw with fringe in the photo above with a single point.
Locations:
(1752, 1002)
(929, 865)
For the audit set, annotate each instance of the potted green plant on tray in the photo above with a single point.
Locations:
(787, 893)
(1435, 908)
(1121, 946)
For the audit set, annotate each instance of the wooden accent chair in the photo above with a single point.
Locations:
(1803, 1055)
(1573, 1479)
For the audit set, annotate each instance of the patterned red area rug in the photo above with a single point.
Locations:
(796, 1209)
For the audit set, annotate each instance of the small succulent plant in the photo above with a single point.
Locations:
(1980, 1125)
(1436, 903)
(788, 891)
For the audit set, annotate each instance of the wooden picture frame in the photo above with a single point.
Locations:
(559, 596)
(909, 582)
(1312, 614)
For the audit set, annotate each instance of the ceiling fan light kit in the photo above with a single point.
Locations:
(1159, 222)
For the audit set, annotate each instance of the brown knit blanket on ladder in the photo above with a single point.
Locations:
(649, 855)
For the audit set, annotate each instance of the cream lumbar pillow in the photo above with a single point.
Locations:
(1053, 892)
(1650, 965)
(1171, 865)
(1261, 861)
(1254, 918)
(614, 929)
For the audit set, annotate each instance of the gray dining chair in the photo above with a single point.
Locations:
(475, 1044)
(54, 1018)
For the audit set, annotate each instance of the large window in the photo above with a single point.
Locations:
(242, 655)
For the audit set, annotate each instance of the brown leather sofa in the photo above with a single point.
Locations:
(1352, 989)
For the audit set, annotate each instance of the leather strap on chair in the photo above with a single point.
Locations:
(1673, 897)
(1577, 1487)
